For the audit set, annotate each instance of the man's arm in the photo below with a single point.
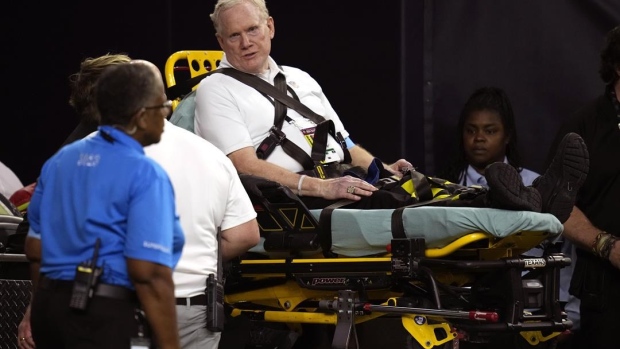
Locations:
(362, 157)
(582, 232)
(237, 240)
(155, 289)
(245, 161)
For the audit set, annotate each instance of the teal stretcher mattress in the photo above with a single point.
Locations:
(358, 233)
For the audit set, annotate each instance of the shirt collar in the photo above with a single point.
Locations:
(268, 75)
(120, 137)
(472, 177)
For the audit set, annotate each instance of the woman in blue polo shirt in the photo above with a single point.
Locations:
(103, 190)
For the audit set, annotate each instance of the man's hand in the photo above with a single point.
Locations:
(24, 334)
(399, 167)
(346, 187)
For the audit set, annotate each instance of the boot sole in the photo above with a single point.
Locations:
(575, 166)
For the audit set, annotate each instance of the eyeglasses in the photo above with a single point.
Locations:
(167, 104)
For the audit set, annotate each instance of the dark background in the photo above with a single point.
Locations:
(397, 71)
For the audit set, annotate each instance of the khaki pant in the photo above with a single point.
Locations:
(192, 328)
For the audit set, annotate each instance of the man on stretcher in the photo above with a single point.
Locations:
(239, 120)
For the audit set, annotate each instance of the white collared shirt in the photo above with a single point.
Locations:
(233, 115)
(208, 194)
(472, 177)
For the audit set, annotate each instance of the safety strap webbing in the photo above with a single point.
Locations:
(281, 97)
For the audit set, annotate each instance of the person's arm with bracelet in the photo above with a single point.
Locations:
(246, 161)
(582, 232)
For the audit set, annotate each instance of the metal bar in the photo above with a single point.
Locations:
(471, 315)
(10, 257)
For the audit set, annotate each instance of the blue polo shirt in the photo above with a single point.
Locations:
(104, 187)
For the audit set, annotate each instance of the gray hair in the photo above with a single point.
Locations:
(122, 89)
(223, 5)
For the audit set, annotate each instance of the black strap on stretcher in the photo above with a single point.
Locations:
(325, 225)
(398, 227)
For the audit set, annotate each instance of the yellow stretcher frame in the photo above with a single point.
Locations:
(198, 62)
(289, 296)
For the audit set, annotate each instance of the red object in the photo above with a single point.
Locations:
(21, 198)
(388, 248)
(484, 316)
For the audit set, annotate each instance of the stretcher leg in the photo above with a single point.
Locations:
(345, 336)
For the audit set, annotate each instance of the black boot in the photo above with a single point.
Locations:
(560, 184)
(506, 189)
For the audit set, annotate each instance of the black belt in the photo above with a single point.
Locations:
(200, 299)
(101, 290)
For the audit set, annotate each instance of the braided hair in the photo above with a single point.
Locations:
(491, 99)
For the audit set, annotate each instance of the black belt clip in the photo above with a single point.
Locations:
(274, 139)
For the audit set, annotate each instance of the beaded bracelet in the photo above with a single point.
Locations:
(603, 244)
(607, 247)
(598, 242)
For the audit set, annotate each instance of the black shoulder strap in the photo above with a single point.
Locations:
(179, 89)
(269, 89)
(182, 88)
(323, 126)
(266, 88)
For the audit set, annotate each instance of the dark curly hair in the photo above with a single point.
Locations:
(610, 57)
(485, 98)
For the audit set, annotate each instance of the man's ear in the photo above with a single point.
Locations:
(220, 40)
(140, 119)
(272, 27)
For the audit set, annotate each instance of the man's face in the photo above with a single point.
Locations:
(484, 138)
(246, 38)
